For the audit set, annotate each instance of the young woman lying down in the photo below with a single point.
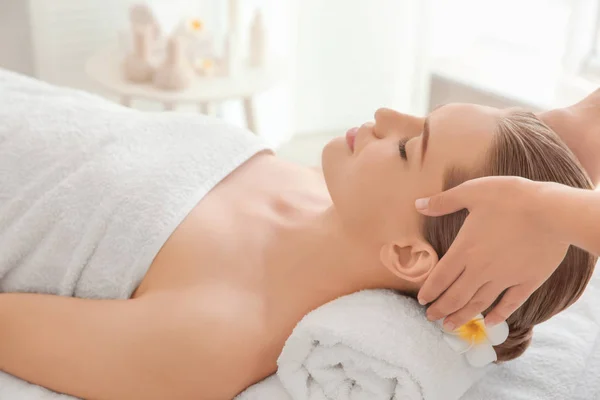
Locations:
(167, 256)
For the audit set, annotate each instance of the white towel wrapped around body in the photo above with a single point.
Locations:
(372, 345)
(90, 191)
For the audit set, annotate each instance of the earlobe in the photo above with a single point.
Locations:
(411, 263)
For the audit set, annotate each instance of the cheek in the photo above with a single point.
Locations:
(374, 197)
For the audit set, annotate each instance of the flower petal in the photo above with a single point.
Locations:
(481, 355)
(497, 334)
(456, 343)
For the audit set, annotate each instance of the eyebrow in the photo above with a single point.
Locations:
(425, 139)
(426, 132)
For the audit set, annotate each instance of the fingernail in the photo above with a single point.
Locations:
(422, 204)
(432, 317)
(422, 301)
(449, 326)
(490, 323)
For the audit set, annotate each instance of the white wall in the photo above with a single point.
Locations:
(275, 107)
(15, 37)
(347, 57)
(353, 57)
(67, 32)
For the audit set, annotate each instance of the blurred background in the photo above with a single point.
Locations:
(337, 61)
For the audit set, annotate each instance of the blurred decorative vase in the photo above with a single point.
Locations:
(258, 45)
(176, 73)
(230, 62)
(136, 66)
(142, 15)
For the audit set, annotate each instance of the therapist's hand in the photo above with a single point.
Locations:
(504, 243)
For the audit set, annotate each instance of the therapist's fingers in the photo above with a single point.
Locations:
(512, 299)
(447, 270)
(455, 298)
(447, 202)
(481, 301)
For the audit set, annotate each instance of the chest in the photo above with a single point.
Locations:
(224, 237)
(218, 252)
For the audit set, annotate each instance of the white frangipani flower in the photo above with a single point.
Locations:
(475, 340)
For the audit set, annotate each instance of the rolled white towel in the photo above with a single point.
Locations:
(374, 345)
(267, 389)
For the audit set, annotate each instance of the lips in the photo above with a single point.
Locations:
(351, 137)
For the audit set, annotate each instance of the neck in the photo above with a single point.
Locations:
(316, 261)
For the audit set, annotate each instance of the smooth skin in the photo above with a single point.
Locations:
(267, 245)
(536, 221)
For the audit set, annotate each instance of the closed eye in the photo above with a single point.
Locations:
(402, 148)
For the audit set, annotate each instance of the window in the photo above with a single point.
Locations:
(590, 67)
(538, 26)
(522, 50)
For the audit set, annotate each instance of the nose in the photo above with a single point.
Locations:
(388, 122)
(385, 113)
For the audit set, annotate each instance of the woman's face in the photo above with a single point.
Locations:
(375, 173)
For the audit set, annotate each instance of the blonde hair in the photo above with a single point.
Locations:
(524, 146)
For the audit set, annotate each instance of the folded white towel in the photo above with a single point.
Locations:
(563, 361)
(374, 345)
(267, 389)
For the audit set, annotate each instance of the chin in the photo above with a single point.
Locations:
(334, 154)
(334, 159)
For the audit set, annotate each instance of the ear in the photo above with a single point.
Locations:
(411, 262)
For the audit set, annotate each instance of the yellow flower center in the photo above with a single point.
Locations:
(196, 25)
(208, 64)
(473, 331)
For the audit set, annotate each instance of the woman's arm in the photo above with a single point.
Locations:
(579, 127)
(111, 349)
(572, 214)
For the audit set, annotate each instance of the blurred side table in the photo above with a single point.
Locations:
(104, 67)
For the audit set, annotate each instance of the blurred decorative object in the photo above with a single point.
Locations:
(199, 41)
(258, 45)
(205, 67)
(137, 66)
(173, 59)
(234, 16)
(230, 63)
(140, 15)
(176, 72)
(186, 48)
(104, 67)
